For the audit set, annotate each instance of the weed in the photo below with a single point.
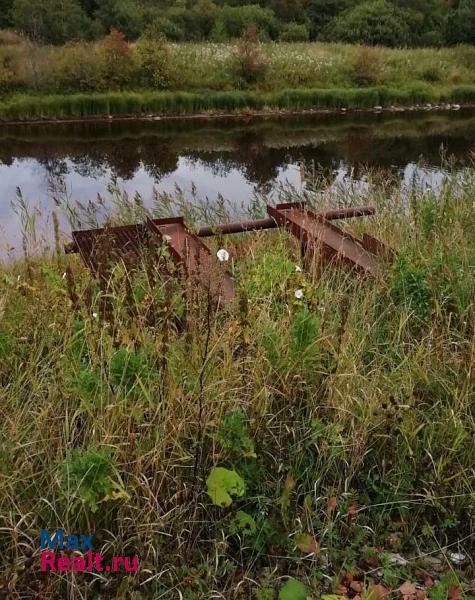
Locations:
(88, 474)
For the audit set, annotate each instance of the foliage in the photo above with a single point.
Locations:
(295, 32)
(367, 68)
(460, 23)
(233, 21)
(376, 22)
(117, 60)
(233, 436)
(401, 22)
(293, 589)
(222, 484)
(88, 475)
(153, 62)
(411, 289)
(250, 62)
(52, 21)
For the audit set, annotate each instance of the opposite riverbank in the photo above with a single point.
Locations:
(155, 78)
(153, 105)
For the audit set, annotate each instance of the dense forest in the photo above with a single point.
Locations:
(375, 22)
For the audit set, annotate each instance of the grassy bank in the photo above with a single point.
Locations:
(344, 418)
(142, 104)
(117, 78)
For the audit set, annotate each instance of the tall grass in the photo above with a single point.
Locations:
(348, 412)
(142, 104)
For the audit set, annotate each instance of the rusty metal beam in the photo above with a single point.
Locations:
(270, 223)
(193, 255)
(317, 233)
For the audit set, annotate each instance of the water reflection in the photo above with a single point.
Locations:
(219, 157)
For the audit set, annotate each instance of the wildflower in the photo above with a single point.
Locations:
(64, 275)
(95, 315)
(223, 255)
(299, 294)
(298, 269)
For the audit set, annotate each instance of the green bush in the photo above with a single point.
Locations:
(295, 32)
(376, 22)
(234, 20)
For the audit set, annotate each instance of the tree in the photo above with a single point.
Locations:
(5, 13)
(251, 65)
(289, 10)
(295, 32)
(153, 62)
(203, 15)
(460, 24)
(234, 20)
(321, 12)
(376, 22)
(124, 15)
(52, 21)
(117, 59)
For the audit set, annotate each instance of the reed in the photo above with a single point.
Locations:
(140, 104)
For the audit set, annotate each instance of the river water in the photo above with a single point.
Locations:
(208, 158)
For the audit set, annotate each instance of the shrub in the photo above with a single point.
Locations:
(153, 58)
(250, 62)
(295, 32)
(460, 24)
(367, 69)
(376, 22)
(77, 67)
(234, 20)
(117, 60)
(56, 21)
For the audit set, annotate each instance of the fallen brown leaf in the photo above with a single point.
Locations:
(408, 590)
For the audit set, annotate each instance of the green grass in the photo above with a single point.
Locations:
(78, 80)
(141, 104)
(348, 414)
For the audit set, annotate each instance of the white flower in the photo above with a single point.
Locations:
(223, 255)
(64, 275)
(95, 315)
(457, 558)
(298, 269)
(299, 294)
(167, 238)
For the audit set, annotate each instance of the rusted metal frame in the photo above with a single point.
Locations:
(309, 239)
(260, 224)
(191, 260)
(368, 242)
(243, 226)
(124, 241)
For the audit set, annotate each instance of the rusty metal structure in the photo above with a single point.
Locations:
(318, 236)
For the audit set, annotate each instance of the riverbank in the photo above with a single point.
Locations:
(318, 429)
(238, 104)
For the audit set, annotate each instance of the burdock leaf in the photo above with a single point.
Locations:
(222, 484)
(293, 589)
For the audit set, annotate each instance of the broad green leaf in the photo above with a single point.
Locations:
(293, 589)
(243, 523)
(222, 484)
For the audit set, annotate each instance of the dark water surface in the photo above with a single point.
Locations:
(227, 157)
